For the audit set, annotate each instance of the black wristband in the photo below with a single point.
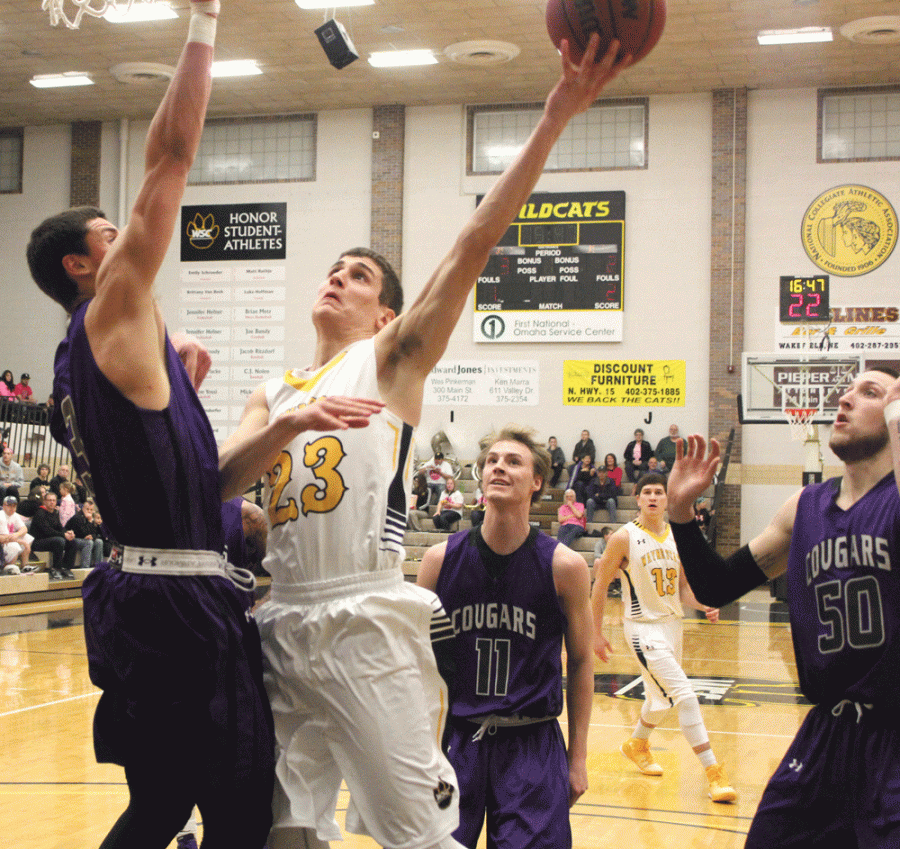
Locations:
(714, 580)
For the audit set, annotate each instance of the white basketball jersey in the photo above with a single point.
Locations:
(652, 574)
(337, 500)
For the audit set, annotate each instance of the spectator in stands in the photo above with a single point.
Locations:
(665, 449)
(439, 471)
(585, 446)
(478, 503)
(86, 541)
(580, 476)
(653, 467)
(43, 476)
(571, 519)
(14, 538)
(557, 462)
(418, 502)
(62, 474)
(7, 386)
(66, 503)
(100, 532)
(12, 478)
(49, 535)
(23, 390)
(29, 506)
(80, 495)
(613, 470)
(703, 515)
(637, 453)
(601, 491)
(449, 508)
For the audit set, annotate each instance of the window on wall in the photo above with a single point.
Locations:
(610, 135)
(256, 150)
(11, 143)
(859, 124)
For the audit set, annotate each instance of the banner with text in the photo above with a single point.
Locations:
(624, 383)
(492, 383)
(246, 231)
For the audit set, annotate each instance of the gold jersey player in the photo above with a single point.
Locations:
(653, 591)
(350, 672)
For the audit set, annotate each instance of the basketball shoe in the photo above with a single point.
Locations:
(719, 789)
(638, 752)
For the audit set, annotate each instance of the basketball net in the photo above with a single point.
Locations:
(57, 9)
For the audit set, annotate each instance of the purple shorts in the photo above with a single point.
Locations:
(519, 778)
(838, 785)
(178, 653)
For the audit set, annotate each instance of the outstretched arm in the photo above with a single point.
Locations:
(715, 580)
(123, 324)
(410, 346)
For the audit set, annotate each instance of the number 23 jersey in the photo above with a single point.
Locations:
(336, 500)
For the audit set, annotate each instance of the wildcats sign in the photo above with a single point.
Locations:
(557, 275)
(247, 231)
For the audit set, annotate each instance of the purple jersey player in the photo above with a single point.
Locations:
(838, 542)
(168, 635)
(513, 595)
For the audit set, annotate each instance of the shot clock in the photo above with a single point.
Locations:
(803, 300)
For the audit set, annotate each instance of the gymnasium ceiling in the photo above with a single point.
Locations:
(707, 44)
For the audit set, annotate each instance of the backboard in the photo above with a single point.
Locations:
(772, 384)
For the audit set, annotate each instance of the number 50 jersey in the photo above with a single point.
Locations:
(337, 500)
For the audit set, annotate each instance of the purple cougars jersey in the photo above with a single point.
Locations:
(154, 473)
(844, 595)
(508, 631)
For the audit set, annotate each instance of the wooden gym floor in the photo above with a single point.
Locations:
(54, 796)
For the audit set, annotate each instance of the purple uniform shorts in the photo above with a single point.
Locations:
(838, 784)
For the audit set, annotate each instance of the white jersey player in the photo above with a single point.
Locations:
(653, 591)
(349, 665)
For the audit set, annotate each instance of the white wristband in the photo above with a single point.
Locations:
(892, 411)
(202, 28)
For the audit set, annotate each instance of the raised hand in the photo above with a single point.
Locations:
(691, 475)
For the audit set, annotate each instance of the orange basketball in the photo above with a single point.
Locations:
(638, 24)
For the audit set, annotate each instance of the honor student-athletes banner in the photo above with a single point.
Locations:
(557, 275)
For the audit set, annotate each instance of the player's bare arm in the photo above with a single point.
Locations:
(430, 567)
(614, 557)
(254, 447)
(194, 357)
(123, 323)
(410, 346)
(573, 586)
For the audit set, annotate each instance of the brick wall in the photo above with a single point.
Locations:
(729, 167)
(389, 135)
(85, 188)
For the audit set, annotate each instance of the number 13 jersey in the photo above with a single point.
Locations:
(652, 575)
(336, 500)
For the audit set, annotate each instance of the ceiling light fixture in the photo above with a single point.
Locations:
(156, 11)
(402, 58)
(235, 68)
(802, 35)
(330, 4)
(69, 78)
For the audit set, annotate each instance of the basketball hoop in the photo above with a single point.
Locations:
(800, 421)
(57, 10)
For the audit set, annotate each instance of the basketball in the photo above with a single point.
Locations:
(638, 24)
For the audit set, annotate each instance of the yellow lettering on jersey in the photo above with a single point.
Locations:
(279, 477)
(322, 457)
(665, 585)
